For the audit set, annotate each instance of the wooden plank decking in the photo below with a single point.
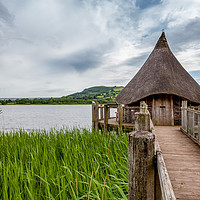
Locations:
(182, 159)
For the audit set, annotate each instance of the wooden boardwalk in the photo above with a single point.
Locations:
(182, 159)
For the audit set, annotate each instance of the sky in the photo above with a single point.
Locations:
(52, 48)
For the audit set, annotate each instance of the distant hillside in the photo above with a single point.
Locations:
(100, 93)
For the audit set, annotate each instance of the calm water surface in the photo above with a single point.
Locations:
(45, 116)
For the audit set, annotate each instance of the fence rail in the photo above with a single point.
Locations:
(166, 189)
(190, 121)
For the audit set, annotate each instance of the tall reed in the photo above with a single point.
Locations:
(58, 164)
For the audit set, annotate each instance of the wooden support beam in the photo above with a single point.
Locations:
(141, 165)
(101, 112)
(120, 117)
(108, 112)
(97, 117)
(192, 121)
(172, 109)
(105, 118)
(184, 115)
(93, 115)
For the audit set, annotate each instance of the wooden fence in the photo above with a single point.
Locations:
(190, 121)
(148, 176)
(102, 112)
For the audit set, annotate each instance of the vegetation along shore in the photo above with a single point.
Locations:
(98, 93)
(63, 164)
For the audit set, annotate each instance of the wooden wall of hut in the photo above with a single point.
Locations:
(165, 109)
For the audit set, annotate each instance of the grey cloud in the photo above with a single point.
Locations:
(82, 60)
(136, 61)
(5, 16)
(185, 34)
(143, 4)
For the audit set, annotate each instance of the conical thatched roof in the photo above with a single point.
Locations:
(161, 74)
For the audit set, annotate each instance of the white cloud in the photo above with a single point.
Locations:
(55, 47)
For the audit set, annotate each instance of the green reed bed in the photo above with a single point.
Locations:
(75, 164)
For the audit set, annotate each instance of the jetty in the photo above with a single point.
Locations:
(160, 108)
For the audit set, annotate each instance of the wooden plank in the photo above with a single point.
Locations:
(182, 159)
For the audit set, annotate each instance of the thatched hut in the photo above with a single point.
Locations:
(162, 83)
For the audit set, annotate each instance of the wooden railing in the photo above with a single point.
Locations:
(166, 191)
(190, 121)
(103, 112)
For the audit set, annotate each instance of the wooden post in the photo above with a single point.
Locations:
(97, 116)
(120, 112)
(108, 112)
(184, 115)
(142, 118)
(199, 124)
(172, 110)
(141, 165)
(101, 112)
(93, 115)
(192, 121)
(105, 118)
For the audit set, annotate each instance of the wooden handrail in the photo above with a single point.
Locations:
(132, 107)
(165, 183)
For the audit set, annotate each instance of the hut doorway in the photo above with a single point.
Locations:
(162, 110)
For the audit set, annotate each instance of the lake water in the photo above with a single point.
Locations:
(45, 116)
(31, 117)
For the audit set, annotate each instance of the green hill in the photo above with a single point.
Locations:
(101, 94)
(98, 93)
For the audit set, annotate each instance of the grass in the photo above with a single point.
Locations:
(76, 164)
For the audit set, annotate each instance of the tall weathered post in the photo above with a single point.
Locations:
(184, 115)
(108, 112)
(97, 116)
(101, 112)
(93, 115)
(105, 118)
(191, 121)
(141, 158)
(120, 116)
(142, 118)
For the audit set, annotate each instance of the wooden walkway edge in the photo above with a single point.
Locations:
(182, 159)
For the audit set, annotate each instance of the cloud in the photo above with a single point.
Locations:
(143, 4)
(52, 47)
(186, 34)
(136, 61)
(81, 61)
(5, 16)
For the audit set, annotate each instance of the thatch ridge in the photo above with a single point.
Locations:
(161, 74)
